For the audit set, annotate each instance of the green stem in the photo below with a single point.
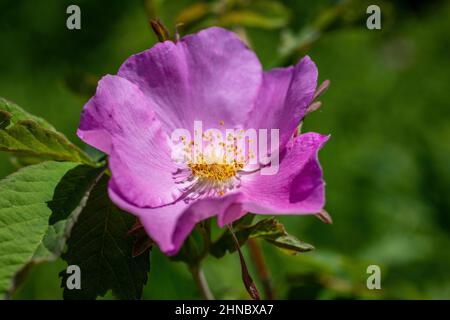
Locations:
(200, 281)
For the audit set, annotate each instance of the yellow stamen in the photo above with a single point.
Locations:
(217, 172)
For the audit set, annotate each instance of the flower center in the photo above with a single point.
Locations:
(208, 176)
(211, 167)
(216, 172)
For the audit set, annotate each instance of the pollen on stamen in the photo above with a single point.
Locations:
(212, 170)
(215, 172)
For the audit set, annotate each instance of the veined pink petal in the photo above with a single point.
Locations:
(209, 76)
(118, 108)
(119, 120)
(283, 98)
(297, 188)
(169, 226)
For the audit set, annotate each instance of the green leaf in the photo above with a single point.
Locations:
(268, 229)
(38, 205)
(260, 14)
(20, 161)
(30, 137)
(243, 232)
(69, 199)
(5, 119)
(290, 244)
(100, 247)
(245, 221)
(196, 246)
(18, 114)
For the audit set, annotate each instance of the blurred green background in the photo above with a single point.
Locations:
(386, 166)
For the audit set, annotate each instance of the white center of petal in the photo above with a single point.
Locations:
(212, 170)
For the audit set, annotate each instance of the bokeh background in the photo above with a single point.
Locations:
(386, 165)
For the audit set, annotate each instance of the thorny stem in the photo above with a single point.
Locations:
(261, 268)
(200, 281)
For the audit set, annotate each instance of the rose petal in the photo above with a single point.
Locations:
(283, 98)
(297, 187)
(119, 120)
(118, 108)
(209, 76)
(170, 225)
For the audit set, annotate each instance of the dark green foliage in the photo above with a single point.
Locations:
(100, 247)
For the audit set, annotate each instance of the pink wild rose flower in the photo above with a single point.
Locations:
(213, 78)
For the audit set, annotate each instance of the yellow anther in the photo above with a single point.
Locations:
(217, 172)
